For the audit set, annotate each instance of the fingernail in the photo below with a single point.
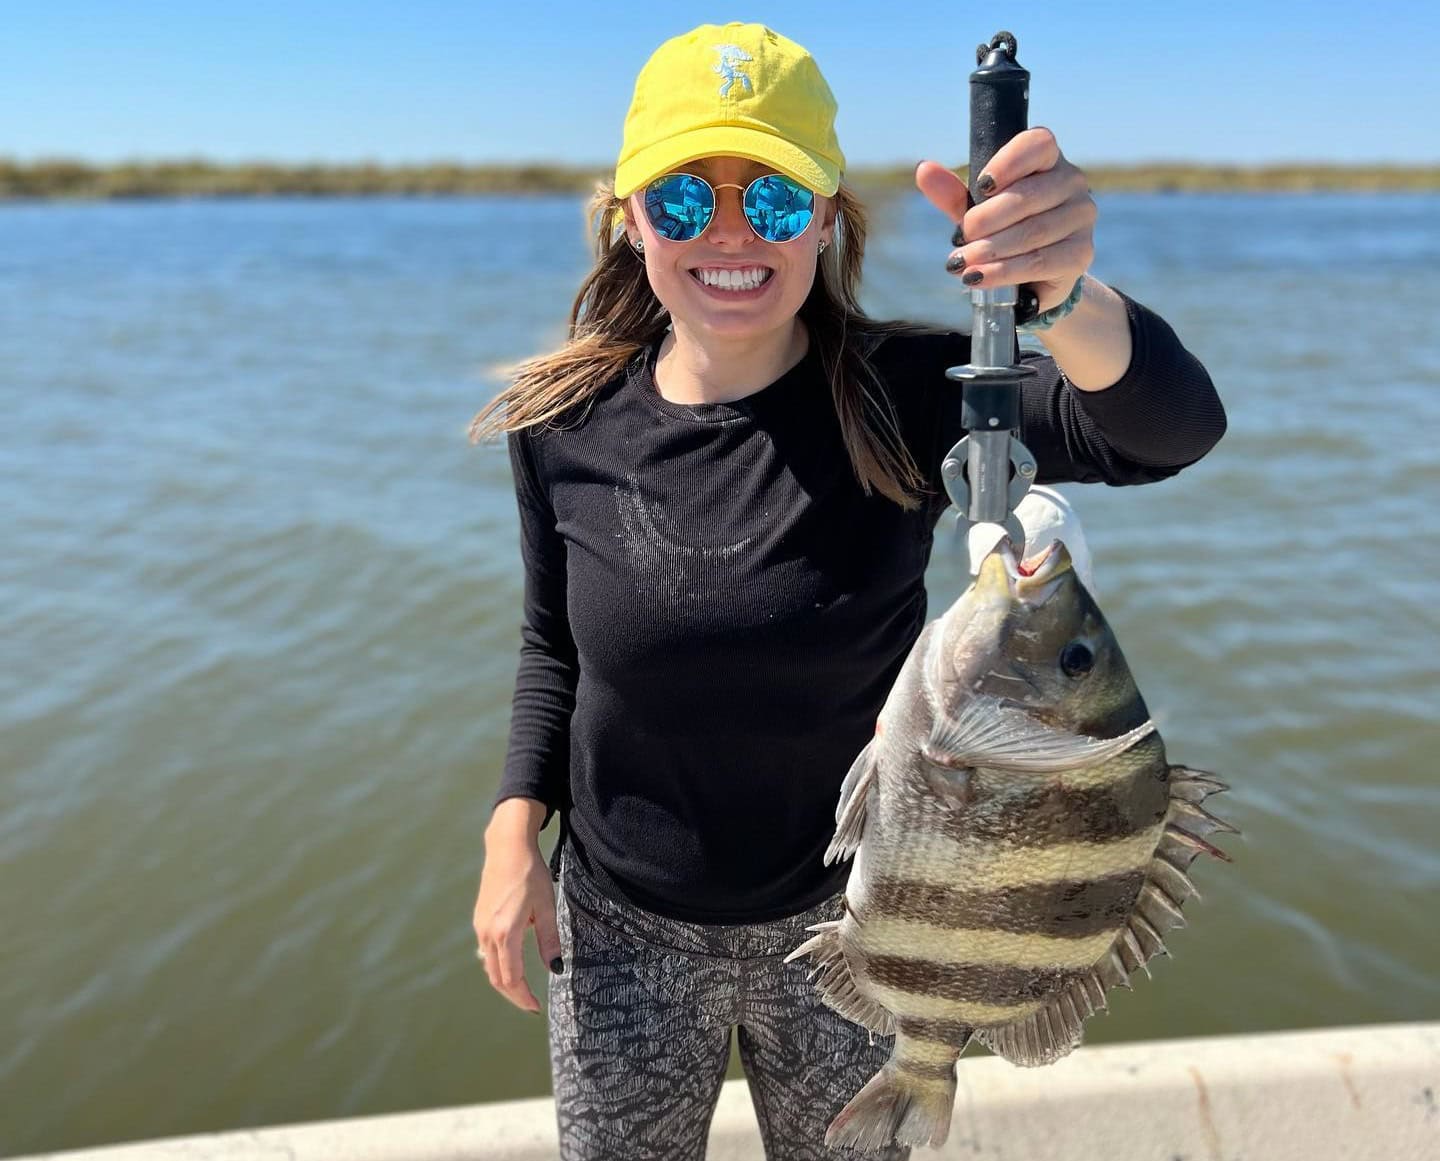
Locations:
(955, 262)
(958, 237)
(557, 965)
(971, 277)
(985, 184)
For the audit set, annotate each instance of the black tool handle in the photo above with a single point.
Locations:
(999, 103)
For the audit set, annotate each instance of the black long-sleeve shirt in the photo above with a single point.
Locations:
(715, 612)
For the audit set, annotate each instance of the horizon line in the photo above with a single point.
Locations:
(593, 166)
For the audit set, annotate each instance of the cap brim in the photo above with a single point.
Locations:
(809, 169)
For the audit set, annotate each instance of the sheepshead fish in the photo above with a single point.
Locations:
(1020, 842)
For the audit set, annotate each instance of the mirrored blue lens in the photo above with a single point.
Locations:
(777, 208)
(679, 206)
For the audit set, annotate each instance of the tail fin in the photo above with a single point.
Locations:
(898, 1106)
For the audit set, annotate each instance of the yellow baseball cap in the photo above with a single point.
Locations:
(734, 89)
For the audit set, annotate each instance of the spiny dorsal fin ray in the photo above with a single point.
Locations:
(1166, 885)
(1180, 837)
(1112, 970)
(988, 732)
(1130, 946)
(1173, 882)
(1197, 819)
(1155, 903)
(1150, 941)
(1194, 785)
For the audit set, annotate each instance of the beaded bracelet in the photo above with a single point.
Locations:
(1043, 322)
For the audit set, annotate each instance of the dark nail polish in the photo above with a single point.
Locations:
(955, 262)
(557, 965)
(986, 184)
(958, 237)
(971, 277)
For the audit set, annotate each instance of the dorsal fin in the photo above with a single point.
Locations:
(1055, 1029)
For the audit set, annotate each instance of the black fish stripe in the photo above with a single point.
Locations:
(983, 983)
(1052, 814)
(929, 1071)
(953, 1032)
(1071, 908)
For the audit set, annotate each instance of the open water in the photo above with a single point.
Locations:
(261, 607)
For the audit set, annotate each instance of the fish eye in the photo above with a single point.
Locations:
(1076, 659)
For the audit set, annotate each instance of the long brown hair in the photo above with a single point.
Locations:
(616, 315)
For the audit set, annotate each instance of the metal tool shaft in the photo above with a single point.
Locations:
(988, 471)
(992, 342)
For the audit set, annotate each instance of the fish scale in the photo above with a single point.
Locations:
(1021, 845)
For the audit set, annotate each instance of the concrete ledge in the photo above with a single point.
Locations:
(1351, 1093)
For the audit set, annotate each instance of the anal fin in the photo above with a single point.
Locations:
(1045, 1035)
(836, 984)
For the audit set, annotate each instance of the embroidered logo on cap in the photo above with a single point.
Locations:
(731, 56)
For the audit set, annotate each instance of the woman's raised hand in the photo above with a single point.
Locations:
(1036, 227)
(516, 892)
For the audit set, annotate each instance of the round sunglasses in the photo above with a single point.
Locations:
(681, 205)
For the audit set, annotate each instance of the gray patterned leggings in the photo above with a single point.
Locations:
(640, 1032)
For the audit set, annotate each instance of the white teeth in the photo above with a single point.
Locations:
(733, 279)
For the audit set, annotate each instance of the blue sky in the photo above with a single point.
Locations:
(486, 81)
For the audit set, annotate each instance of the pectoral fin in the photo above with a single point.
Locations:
(991, 733)
(850, 811)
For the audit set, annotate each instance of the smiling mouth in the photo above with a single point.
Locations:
(715, 278)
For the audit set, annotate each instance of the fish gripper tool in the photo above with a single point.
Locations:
(989, 471)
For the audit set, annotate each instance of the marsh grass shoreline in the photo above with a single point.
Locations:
(48, 179)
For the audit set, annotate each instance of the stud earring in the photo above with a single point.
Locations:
(639, 245)
(823, 244)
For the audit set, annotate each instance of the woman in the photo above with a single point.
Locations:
(728, 482)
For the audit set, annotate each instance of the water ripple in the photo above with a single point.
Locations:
(263, 606)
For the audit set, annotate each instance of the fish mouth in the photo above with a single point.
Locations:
(1033, 579)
